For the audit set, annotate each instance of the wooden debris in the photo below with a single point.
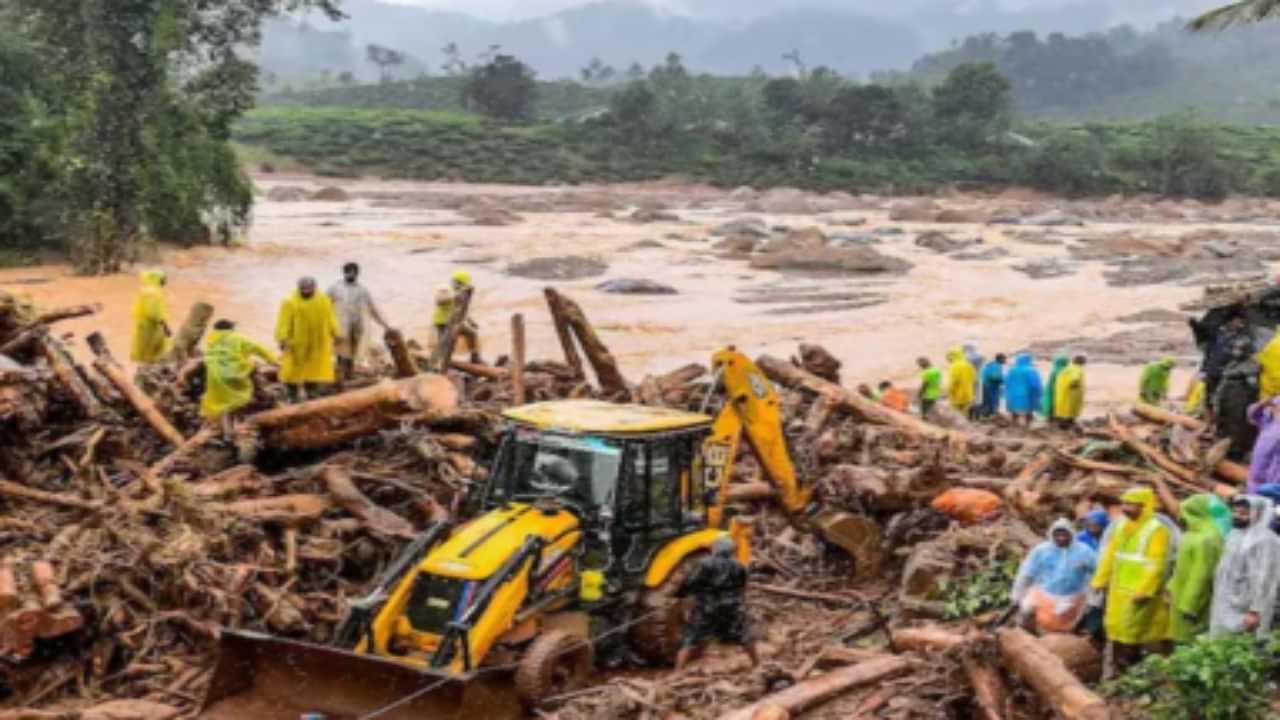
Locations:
(107, 365)
(1042, 670)
(810, 693)
(399, 352)
(518, 395)
(568, 314)
(349, 497)
(187, 340)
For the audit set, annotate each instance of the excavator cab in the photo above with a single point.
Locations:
(592, 514)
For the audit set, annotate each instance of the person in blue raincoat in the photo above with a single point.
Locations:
(1053, 580)
(992, 378)
(1095, 526)
(1023, 389)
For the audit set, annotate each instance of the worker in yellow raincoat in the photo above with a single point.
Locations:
(1068, 401)
(228, 370)
(1269, 359)
(150, 320)
(962, 378)
(306, 328)
(1133, 569)
(468, 331)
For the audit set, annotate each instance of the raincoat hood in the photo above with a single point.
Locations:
(955, 354)
(1197, 513)
(1100, 517)
(1168, 363)
(1261, 511)
(1023, 361)
(152, 278)
(1146, 497)
(1061, 524)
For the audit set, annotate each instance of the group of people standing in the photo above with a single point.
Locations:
(319, 336)
(976, 388)
(1153, 581)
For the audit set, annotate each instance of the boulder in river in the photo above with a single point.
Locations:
(635, 286)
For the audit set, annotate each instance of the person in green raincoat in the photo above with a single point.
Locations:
(1221, 515)
(1133, 570)
(1153, 388)
(1191, 588)
(228, 363)
(1060, 363)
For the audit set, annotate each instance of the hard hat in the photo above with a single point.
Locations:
(462, 277)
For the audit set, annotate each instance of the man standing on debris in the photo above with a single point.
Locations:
(962, 379)
(1244, 588)
(1191, 588)
(930, 386)
(351, 302)
(1223, 351)
(1022, 389)
(993, 382)
(1060, 363)
(1053, 580)
(1132, 569)
(1153, 387)
(719, 586)
(446, 297)
(1237, 390)
(1264, 467)
(150, 320)
(228, 371)
(892, 397)
(1069, 390)
(306, 328)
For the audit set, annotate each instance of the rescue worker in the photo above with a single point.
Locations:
(228, 371)
(1094, 526)
(1132, 568)
(978, 361)
(1053, 581)
(930, 386)
(1269, 360)
(150, 320)
(1222, 351)
(962, 378)
(1191, 587)
(351, 302)
(892, 397)
(1153, 387)
(306, 328)
(445, 298)
(1264, 466)
(1069, 390)
(1237, 390)
(1244, 588)
(993, 381)
(1060, 363)
(1195, 402)
(719, 587)
(1023, 388)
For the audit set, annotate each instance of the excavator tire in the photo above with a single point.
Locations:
(555, 663)
(658, 638)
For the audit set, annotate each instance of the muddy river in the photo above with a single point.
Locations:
(409, 237)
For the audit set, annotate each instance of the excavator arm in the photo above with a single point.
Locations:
(753, 409)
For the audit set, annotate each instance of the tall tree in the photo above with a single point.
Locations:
(385, 58)
(503, 88)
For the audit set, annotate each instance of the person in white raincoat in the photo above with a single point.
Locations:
(1245, 585)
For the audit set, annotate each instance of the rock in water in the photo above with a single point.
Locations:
(563, 267)
(331, 194)
(635, 286)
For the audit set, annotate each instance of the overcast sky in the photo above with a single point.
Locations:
(1138, 10)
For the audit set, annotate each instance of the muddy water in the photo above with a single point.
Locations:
(408, 250)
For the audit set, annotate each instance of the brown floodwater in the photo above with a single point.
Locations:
(407, 249)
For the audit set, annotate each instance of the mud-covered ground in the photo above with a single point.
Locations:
(879, 282)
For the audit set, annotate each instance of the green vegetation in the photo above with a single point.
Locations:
(1227, 678)
(988, 590)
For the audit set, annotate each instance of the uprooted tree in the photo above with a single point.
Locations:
(135, 107)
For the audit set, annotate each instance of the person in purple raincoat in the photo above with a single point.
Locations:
(1265, 467)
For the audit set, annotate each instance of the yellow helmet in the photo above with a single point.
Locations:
(462, 278)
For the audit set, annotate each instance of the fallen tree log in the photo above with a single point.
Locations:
(1152, 454)
(50, 317)
(567, 313)
(1046, 673)
(374, 516)
(192, 331)
(64, 370)
(988, 687)
(283, 509)
(1226, 469)
(809, 693)
(399, 352)
(340, 418)
(107, 365)
(928, 640)
(22, 492)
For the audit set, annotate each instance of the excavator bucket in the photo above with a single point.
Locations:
(857, 535)
(268, 678)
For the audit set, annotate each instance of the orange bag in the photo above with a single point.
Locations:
(968, 506)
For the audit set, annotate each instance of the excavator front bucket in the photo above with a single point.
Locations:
(268, 678)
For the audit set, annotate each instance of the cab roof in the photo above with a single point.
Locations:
(596, 416)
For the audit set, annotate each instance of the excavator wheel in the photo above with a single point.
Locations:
(555, 663)
(658, 638)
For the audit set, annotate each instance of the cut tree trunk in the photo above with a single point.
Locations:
(1042, 670)
(569, 314)
(1152, 454)
(443, 353)
(518, 396)
(565, 335)
(988, 687)
(64, 369)
(929, 640)
(375, 517)
(191, 333)
(107, 365)
(809, 693)
(400, 355)
(1165, 417)
(334, 420)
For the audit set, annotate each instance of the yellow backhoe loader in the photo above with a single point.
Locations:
(593, 515)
